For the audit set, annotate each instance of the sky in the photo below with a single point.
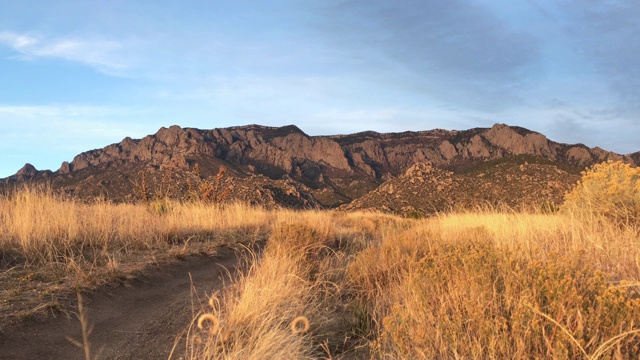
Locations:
(80, 75)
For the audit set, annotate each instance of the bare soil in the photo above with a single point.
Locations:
(140, 319)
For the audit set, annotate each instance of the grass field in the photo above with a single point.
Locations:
(50, 245)
(476, 284)
(465, 285)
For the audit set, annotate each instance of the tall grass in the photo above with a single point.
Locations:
(482, 284)
(301, 275)
(58, 239)
(39, 227)
(499, 285)
(489, 283)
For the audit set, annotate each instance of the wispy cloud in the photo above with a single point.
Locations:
(608, 36)
(100, 54)
(50, 134)
(57, 124)
(454, 51)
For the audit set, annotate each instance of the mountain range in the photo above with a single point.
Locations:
(408, 172)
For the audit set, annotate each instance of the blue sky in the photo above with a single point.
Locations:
(79, 75)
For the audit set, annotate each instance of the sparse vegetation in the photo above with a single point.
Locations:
(467, 285)
(487, 283)
(51, 244)
(160, 198)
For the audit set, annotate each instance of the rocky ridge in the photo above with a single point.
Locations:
(283, 163)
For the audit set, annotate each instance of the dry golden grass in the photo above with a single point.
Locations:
(50, 244)
(290, 304)
(502, 285)
(482, 284)
(39, 227)
(477, 284)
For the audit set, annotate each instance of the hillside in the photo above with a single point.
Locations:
(425, 189)
(283, 166)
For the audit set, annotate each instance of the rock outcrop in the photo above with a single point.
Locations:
(28, 171)
(333, 170)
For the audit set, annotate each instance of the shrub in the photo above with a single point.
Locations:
(610, 190)
(160, 196)
(207, 190)
(473, 300)
(414, 214)
(568, 309)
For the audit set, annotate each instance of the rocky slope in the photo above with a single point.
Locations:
(514, 182)
(285, 166)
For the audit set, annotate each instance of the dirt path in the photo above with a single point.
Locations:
(138, 321)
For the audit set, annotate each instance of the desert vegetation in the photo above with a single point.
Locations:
(484, 283)
(466, 285)
(474, 284)
(50, 243)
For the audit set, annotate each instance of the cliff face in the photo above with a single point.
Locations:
(333, 170)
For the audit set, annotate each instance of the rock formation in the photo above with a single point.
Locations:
(327, 170)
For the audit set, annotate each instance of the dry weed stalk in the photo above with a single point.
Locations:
(601, 350)
(86, 329)
(171, 187)
(208, 191)
(141, 189)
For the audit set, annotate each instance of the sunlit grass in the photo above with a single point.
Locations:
(482, 284)
(50, 244)
(489, 283)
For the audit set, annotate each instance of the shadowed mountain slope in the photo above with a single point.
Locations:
(283, 166)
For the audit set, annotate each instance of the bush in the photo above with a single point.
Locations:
(473, 300)
(611, 190)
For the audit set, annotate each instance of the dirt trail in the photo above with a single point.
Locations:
(138, 321)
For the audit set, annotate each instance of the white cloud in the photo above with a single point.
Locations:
(57, 124)
(453, 51)
(100, 54)
(48, 135)
(16, 41)
(26, 111)
(58, 112)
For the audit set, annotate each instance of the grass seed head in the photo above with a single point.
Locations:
(215, 323)
(300, 321)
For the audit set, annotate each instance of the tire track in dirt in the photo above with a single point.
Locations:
(139, 320)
